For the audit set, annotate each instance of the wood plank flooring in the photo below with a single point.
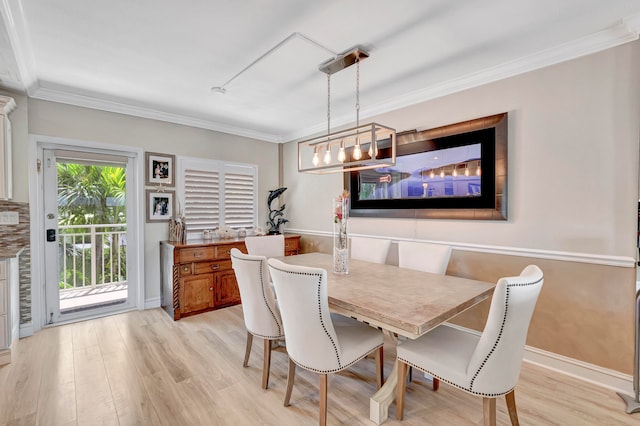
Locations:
(142, 368)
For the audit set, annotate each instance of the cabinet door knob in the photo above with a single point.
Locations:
(210, 288)
(185, 268)
(216, 266)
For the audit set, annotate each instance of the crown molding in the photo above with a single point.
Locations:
(15, 24)
(60, 96)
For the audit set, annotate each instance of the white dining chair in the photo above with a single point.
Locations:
(426, 257)
(373, 250)
(259, 308)
(487, 365)
(317, 340)
(265, 245)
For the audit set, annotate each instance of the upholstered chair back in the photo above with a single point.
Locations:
(312, 342)
(265, 245)
(261, 314)
(426, 257)
(495, 365)
(373, 250)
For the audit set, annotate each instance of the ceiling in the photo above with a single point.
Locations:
(159, 58)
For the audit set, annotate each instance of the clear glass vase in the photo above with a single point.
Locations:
(340, 235)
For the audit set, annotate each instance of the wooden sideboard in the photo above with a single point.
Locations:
(197, 276)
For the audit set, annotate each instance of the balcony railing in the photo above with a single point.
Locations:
(92, 256)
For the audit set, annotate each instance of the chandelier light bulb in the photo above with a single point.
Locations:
(432, 175)
(373, 153)
(442, 173)
(357, 152)
(342, 155)
(316, 160)
(327, 156)
(466, 171)
(478, 171)
(455, 172)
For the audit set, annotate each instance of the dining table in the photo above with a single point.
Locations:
(403, 301)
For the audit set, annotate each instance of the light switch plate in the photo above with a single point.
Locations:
(9, 218)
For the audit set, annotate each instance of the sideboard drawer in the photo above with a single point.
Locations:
(197, 254)
(205, 267)
(224, 251)
(185, 269)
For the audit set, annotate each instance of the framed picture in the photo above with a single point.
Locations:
(159, 205)
(457, 171)
(160, 169)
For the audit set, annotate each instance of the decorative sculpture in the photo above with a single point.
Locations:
(276, 218)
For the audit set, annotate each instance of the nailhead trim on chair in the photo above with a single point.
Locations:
(340, 366)
(504, 319)
(470, 388)
(264, 297)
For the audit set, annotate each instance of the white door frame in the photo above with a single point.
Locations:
(135, 205)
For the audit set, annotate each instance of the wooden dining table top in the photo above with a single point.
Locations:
(400, 300)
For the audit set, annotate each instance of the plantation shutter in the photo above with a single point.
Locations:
(202, 200)
(239, 197)
(215, 194)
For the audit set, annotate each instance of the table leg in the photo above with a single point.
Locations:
(379, 403)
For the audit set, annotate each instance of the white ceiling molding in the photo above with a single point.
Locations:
(15, 25)
(46, 94)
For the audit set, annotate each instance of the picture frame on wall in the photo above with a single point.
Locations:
(160, 169)
(159, 205)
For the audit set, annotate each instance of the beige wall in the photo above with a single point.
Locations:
(573, 188)
(66, 121)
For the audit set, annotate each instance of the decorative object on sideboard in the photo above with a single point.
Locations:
(225, 232)
(340, 234)
(276, 219)
(177, 229)
(258, 231)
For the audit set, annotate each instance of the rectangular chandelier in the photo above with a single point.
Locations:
(368, 146)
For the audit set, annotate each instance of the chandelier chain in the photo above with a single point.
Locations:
(358, 92)
(328, 104)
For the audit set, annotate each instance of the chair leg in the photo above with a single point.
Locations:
(489, 411)
(248, 350)
(324, 378)
(266, 363)
(436, 384)
(380, 367)
(401, 388)
(511, 407)
(290, 378)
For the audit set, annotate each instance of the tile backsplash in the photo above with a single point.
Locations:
(16, 237)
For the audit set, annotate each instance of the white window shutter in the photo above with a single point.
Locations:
(202, 200)
(239, 200)
(215, 194)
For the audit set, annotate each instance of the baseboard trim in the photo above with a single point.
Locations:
(26, 329)
(610, 379)
(152, 303)
(5, 356)
(596, 259)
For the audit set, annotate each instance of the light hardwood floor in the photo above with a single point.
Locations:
(143, 368)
